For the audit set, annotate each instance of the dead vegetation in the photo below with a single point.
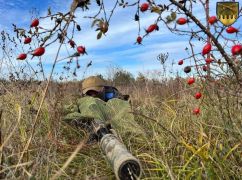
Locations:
(181, 145)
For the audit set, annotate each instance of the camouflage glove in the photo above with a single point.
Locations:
(70, 108)
(73, 116)
(94, 108)
(71, 113)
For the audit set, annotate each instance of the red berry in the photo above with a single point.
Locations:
(205, 68)
(206, 49)
(27, 40)
(209, 60)
(139, 40)
(81, 49)
(196, 111)
(180, 62)
(34, 23)
(212, 20)
(39, 51)
(144, 7)
(181, 21)
(198, 95)
(232, 30)
(22, 56)
(151, 28)
(236, 49)
(72, 43)
(191, 81)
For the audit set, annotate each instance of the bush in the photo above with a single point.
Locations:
(122, 77)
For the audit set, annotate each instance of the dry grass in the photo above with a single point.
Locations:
(180, 145)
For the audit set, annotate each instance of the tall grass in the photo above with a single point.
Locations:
(180, 145)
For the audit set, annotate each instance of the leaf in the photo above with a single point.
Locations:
(136, 17)
(46, 38)
(231, 150)
(173, 16)
(89, 64)
(94, 22)
(168, 19)
(98, 2)
(156, 9)
(78, 27)
(49, 11)
(99, 35)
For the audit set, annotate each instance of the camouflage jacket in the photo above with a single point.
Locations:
(116, 112)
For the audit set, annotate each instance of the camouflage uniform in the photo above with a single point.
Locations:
(116, 112)
(116, 115)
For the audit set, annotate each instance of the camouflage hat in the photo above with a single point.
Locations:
(92, 83)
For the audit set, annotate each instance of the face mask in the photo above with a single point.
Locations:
(109, 93)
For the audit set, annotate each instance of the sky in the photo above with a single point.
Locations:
(117, 48)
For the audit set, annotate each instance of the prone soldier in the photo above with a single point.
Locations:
(106, 115)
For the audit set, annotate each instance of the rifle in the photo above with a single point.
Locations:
(124, 164)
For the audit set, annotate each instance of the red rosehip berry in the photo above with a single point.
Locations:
(180, 62)
(198, 95)
(232, 30)
(181, 21)
(22, 56)
(39, 51)
(208, 60)
(191, 80)
(212, 20)
(236, 49)
(206, 49)
(151, 28)
(144, 7)
(72, 43)
(81, 49)
(34, 23)
(139, 40)
(27, 40)
(196, 111)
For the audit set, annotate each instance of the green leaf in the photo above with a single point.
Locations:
(173, 16)
(99, 35)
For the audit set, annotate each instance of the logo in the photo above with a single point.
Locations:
(227, 12)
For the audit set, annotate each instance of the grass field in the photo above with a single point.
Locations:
(179, 144)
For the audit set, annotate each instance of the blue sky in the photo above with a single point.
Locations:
(116, 48)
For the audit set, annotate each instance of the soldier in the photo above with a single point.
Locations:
(106, 115)
(103, 102)
(96, 87)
